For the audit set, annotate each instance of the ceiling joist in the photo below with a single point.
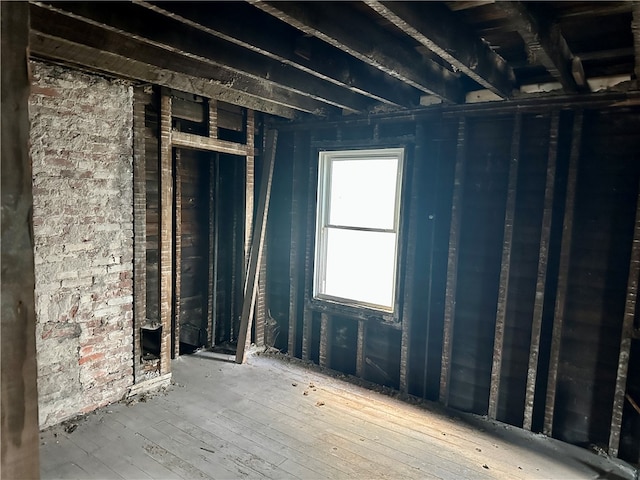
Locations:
(437, 28)
(546, 45)
(81, 43)
(261, 33)
(338, 25)
(158, 30)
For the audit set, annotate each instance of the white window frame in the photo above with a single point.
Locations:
(326, 161)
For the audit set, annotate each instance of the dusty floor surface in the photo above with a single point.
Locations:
(278, 419)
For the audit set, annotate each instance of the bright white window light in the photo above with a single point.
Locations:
(357, 226)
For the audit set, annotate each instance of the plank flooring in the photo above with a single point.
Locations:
(277, 419)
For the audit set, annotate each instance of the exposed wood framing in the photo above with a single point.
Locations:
(177, 288)
(261, 299)
(57, 37)
(433, 201)
(211, 254)
(251, 278)
(295, 250)
(325, 340)
(410, 260)
(360, 349)
(452, 262)
(309, 244)
(213, 119)
(546, 45)
(635, 29)
(269, 37)
(198, 142)
(505, 268)
(435, 27)
(355, 36)
(149, 27)
(543, 261)
(563, 273)
(626, 337)
(139, 228)
(19, 393)
(165, 235)
(215, 174)
(249, 186)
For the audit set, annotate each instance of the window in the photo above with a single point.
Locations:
(357, 226)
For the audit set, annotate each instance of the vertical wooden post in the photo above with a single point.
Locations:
(360, 349)
(20, 440)
(165, 234)
(177, 277)
(213, 118)
(139, 229)
(543, 260)
(261, 300)
(410, 260)
(215, 174)
(250, 287)
(626, 337)
(325, 340)
(563, 273)
(309, 241)
(505, 267)
(294, 276)
(211, 258)
(250, 179)
(452, 262)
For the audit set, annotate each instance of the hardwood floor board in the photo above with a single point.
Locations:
(219, 419)
(277, 441)
(188, 460)
(224, 451)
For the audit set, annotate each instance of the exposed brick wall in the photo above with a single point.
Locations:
(81, 147)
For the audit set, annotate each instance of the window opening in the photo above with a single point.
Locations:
(357, 226)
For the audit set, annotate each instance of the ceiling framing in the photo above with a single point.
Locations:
(328, 59)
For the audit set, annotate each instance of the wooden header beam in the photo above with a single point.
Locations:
(355, 35)
(438, 29)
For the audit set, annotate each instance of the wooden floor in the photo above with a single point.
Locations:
(277, 419)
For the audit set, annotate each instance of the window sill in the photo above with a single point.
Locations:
(358, 312)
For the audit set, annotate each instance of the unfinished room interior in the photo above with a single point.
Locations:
(320, 239)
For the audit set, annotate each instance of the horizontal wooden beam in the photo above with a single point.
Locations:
(547, 46)
(197, 142)
(75, 42)
(156, 29)
(265, 35)
(437, 28)
(346, 29)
